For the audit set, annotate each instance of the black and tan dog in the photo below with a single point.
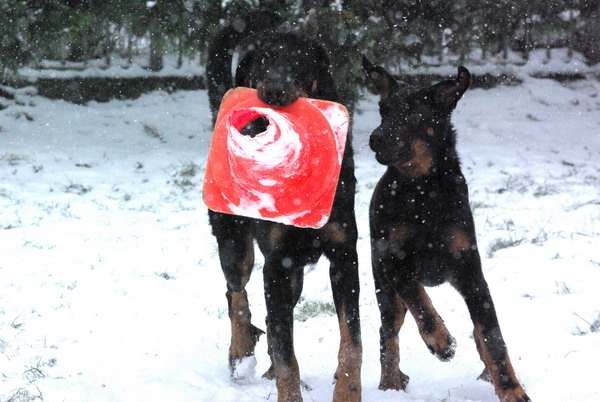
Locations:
(422, 229)
(283, 67)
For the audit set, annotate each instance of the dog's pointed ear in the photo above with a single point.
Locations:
(324, 86)
(447, 93)
(384, 82)
(242, 72)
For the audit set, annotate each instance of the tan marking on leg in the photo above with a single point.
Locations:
(243, 334)
(391, 376)
(242, 344)
(439, 341)
(287, 380)
(458, 241)
(513, 394)
(335, 232)
(348, 384)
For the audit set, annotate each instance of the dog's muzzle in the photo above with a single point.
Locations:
(388, 150)
(277, 93)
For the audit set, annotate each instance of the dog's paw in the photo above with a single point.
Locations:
(514, 395)
(443, 350)
(243, 369)
(346, 389)
(396, 380)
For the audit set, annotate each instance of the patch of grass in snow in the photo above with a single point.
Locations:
(500, 244)
(153, 133)
(77, 188)
(563, 289)
(35, 372)
(593, 326)
(545, 190)
(165, 275)
(23, 395)
(220, 313)
(189, 169)
(519, 184)
(16, 325)
(475, 205)
(183, 177)
(313, 308)
(30, 392)
(12, 159)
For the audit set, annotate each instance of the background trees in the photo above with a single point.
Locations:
(392, 31)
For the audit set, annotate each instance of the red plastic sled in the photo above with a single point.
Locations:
(286, 174)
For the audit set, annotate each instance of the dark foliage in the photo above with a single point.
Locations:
(391, 31)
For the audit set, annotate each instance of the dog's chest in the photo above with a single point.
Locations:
(422, 202)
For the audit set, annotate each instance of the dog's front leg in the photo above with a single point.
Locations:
(236, 254)
(281, 290)
(392, 310)
(431, 326)
(488, 337)
(340, 249)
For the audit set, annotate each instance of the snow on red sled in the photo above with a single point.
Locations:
(286, 174)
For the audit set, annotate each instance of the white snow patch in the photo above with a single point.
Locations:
(111, 288)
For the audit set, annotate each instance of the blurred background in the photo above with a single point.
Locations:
(44, 39)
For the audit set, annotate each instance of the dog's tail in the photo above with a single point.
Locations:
(220, 51)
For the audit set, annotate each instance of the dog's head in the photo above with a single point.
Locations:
(283, 67)
(413, 120)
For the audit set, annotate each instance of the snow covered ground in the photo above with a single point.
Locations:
(110, 286)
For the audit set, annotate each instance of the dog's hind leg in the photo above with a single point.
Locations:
(392, 310)
(487, 334)
(236, 253)
(281, 274)
(340, 249)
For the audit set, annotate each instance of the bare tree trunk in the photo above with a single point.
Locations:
(107, 45)
(527, 42)
(129, 51)
(180, 53)
(589, 43)
(156, 46)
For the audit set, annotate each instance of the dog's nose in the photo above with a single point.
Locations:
(376, 141)
(275, 94)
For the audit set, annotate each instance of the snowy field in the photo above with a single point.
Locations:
(111, 290)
